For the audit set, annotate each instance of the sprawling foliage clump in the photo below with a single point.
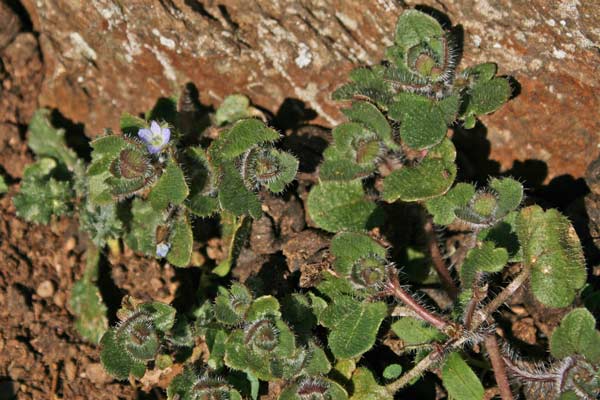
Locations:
(147, 185)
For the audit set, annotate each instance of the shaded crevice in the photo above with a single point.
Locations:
(199, 8)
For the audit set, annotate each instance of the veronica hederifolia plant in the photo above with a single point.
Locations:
(148, 183)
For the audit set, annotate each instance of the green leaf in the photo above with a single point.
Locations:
(353, 326)
(576, 334)
(142, 234)
(171, 188)
(240, 357)
(552, 250)
(336, 206)
(367, 388)
(413, 331)
(348, 247)
(483, 72)
(510, 194)
(335, 169)
(298, 312)
(369, 83)
(181, 240)
(86, 302)
(101, 223)
(485, 97)
(233, 194)
(392, 371)
(414, 27)
(459, 380)
(429, 179)
(163, 315)
(423, 124)
(244, 135)
(215, 340)
(503, 234)
(130, 124)
(116, 361)
(288, 166)
(262, 306)
(234, 233)
(369, 115)
(334, 390)
(318, 363)
(41, 196)
(232, 109)
(46, 141)
(486, 257)
(442, 208)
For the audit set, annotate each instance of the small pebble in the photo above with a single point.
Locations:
(96, 373)
(70, 244)
(45, 289)
(59, 299)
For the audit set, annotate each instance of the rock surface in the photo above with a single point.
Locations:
(105, 56)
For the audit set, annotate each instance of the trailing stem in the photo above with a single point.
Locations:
(438, 261)
(394, 288)
(491, 345)
(456, 343)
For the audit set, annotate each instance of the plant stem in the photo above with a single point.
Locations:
(491, 345)
(438, 261)
(499, 300)
(394, 289)
(433, 357)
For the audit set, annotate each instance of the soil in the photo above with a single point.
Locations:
(41, 354)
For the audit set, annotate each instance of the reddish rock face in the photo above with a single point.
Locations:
(105, 56)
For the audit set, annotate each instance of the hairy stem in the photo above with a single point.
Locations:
(435, 356)
(499, 300)
(491, 345)
(525, 375)
(479, 293)
(438, 261)
(394, 289)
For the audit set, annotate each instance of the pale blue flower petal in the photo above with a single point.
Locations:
(145, 134)
(155, 128)
(154, 149)
(162, 249)
(166, 134)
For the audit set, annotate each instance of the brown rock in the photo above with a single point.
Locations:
(105, 56)
(45, 289)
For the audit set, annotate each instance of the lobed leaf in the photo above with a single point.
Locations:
(353, 326)
(431, 178)
(181, 240)
(423, 124)
(348, 247)
(576, 334)
(171, 188)
(336, 206)
(486, 257)
(552, 250)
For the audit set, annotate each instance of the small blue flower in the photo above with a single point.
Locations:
(156, 138)
(162, 249)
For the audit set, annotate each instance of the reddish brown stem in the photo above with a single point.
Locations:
(491, 345)
(396, 290)
(438, 261)
(479, 293)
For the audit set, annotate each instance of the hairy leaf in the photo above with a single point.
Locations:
(552, 250)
